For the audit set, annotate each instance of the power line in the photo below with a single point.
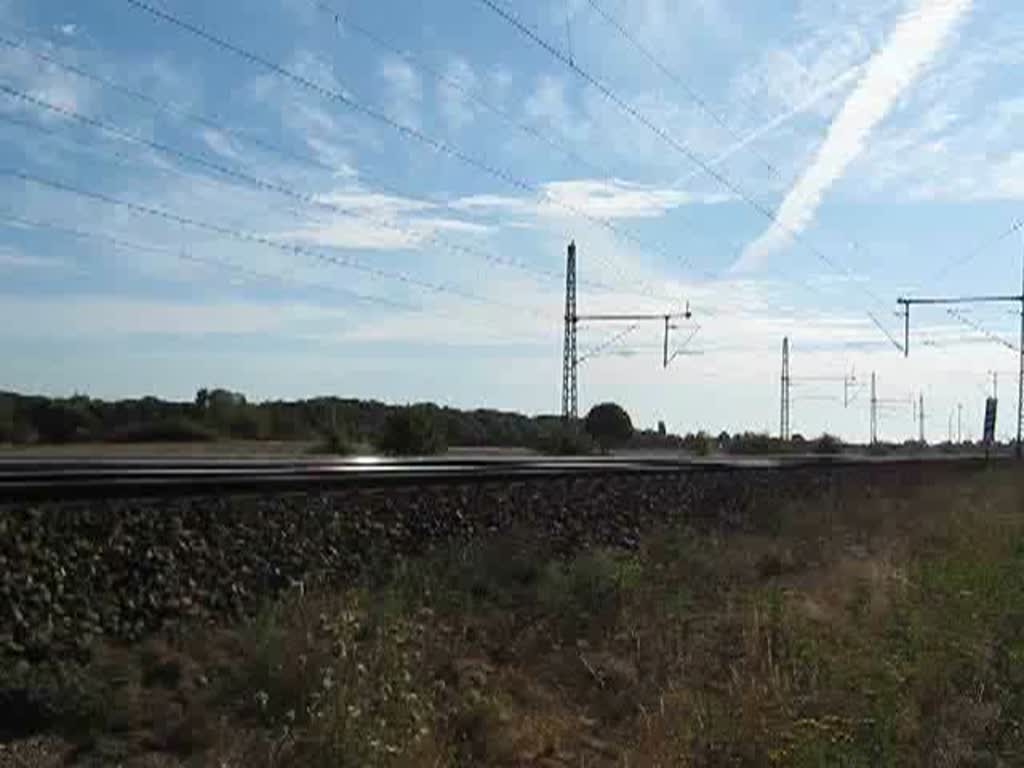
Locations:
(114, 157)
(667, 138)
(694, 96)
(343, 18)
(284, 152)
(264, 184)
(977, 250)
(961, 317)
(405, 130)
(350, 24)
(608, 343)
(163, 106)
(372, 113)
(222, 264)
(176, 218)
(697, 99)
(256, 181)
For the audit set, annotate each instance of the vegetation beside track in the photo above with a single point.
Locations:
(859, 630)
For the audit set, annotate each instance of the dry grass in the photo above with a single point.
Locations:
(863, 630)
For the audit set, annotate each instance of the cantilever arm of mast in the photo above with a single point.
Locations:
(635, 318)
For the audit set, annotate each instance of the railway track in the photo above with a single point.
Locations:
(90, 478)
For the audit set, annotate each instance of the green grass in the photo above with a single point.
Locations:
(871, 629)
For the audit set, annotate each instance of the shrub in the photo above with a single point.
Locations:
(337, 442)
(411, 431)
(828, 445)
(167, 430)
(59, 421)
(567, 440)
(609, 425)
(879, 449)
(753, 443)
(699, 443)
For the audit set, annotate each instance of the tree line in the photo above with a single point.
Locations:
(341, 424)
(337, 423)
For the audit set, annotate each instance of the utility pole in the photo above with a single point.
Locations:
(959, 422)
(920, 419)
(570, 362)
(1019, 300)
(784, 433)
(570, 357)
(874, 411)
(1020, 373)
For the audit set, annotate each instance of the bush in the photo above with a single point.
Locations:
(755, 443)
(59, 421)
(568, 440)
(337, 442)
(165, 431)
(828, 445)
(609, 425)
(411, 431)
(700, 444)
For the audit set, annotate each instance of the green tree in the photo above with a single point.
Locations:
(828, 444)
(202, 400)
(609, 425)
(412, 431)
(6, 419)
(61, 421)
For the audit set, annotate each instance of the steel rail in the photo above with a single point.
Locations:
(30, 480)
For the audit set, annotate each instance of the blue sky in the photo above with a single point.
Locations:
(384, 212)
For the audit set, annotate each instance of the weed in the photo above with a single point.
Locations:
(857, 629)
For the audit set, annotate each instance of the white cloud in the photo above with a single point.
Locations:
(373, 202)
(548, 104)
(101, 315)
(378, 222)
(918, 36)
(405, 90)
(68, 30)
(17, 259)
(617, 199)
(600, 198)
(452, 92)
(45, 82)
(219, 143)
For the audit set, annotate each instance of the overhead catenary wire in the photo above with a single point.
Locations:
(113, 156)
(257, 181)
(741, 141)
(695, 97)
(607, 343)
(346, 20)
(253, 238)
(185, 255)
(408, 131)
(405, 130)
(962, 318)
(973, 253)
(278, 149)
(163, 106)
(672, 142)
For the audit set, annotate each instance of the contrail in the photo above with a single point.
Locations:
(817, 95)
(916, 39)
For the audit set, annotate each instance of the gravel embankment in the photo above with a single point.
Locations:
(122, 569)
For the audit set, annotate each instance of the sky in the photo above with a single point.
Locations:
(293, 198)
